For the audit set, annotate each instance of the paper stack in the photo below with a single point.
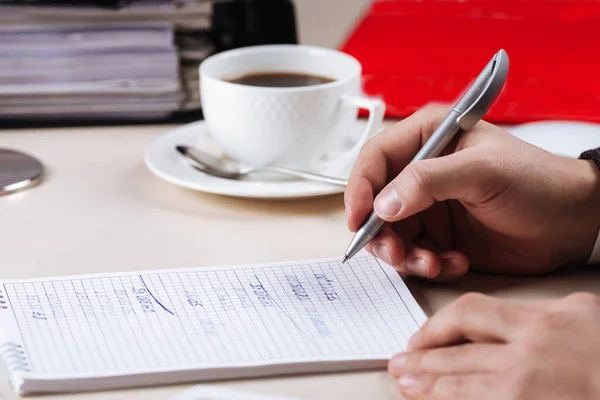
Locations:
(139, 61)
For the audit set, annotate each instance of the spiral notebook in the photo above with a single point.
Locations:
(104, 331)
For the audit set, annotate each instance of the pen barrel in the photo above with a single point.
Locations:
(373, 224)
(440, 138)
(365, 234)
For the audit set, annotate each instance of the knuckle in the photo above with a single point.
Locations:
(582, 299)
(371, 160)
(468, 301)
(368, 153)
(367, 148)
(420, 173)
(364, 155)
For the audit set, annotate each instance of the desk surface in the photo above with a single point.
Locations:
(100, 209)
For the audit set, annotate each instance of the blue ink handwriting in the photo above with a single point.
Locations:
(326, 285)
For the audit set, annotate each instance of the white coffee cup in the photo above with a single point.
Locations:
(305, 127)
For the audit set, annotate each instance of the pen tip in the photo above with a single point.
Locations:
(345, 259)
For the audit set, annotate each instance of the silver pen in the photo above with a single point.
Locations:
(469, 109)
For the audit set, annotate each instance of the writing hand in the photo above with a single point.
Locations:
(480, 347)
(490, 201)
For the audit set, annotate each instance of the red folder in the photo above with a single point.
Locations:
(416, 52)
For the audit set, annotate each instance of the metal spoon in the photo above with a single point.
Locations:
(230, 169)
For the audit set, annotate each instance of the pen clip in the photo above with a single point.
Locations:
(480, 96)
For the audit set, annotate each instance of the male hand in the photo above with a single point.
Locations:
(480, 347)
(490, 201)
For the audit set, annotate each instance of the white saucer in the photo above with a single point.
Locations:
(565, 138)
(165, 162)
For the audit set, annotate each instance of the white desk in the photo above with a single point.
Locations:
(100, 209)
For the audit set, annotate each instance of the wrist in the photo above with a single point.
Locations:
(585, 210)
(595, 206)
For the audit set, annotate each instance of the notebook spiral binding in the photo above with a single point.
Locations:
(12, 355)
(13, 358)
(3, 305)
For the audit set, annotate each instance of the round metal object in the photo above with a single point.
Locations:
(18, 171)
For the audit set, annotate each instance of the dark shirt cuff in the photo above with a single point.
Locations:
(593, 155)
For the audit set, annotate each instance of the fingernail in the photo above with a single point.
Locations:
(418, 266)
(398, 361)
(448, 259)
(410, 381)
(346, 214)
(387, 203)
(381, 252)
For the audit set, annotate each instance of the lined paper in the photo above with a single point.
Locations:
(213, 317)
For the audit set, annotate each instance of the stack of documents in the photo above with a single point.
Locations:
(139, 61)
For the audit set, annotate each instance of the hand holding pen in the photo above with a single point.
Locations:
(415, 142)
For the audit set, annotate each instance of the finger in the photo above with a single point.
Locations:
(462, 359)
(442, 387)
(465, 176)
(397, 250)
(389, 247)
(358, 202)
(454, 264)
(473, 317)
(421, 261)
(383, 157)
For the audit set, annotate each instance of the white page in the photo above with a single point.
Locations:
(128, 323)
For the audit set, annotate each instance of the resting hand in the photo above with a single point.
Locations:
(483, 348)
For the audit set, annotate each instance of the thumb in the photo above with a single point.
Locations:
(463, 176)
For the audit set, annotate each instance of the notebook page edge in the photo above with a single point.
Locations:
(32, 383)
(411, 303)
(179, 269)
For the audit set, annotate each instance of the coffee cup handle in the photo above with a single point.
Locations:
(376, 109)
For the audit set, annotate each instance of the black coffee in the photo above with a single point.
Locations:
(280, 79)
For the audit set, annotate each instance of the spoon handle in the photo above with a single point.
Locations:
(305, 175)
